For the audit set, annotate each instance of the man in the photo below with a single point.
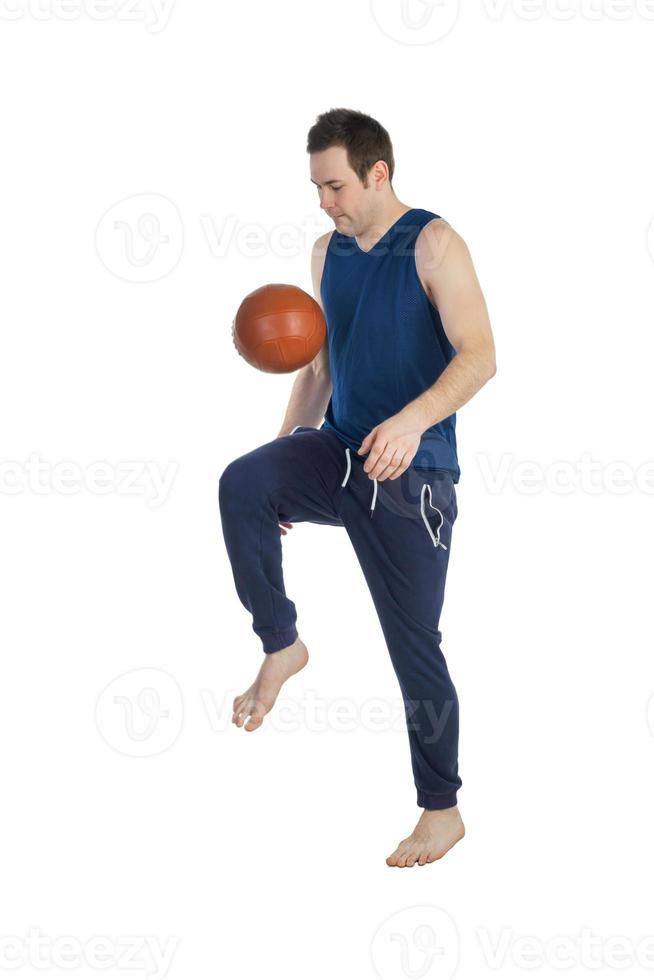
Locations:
(408, 342)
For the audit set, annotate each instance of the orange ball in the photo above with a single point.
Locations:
(278, 328)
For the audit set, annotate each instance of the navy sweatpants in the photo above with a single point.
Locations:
(401, 532)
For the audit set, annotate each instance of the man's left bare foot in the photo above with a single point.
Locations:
(435, 833)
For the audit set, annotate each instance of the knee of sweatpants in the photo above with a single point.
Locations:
(238, 485)
(231, 480)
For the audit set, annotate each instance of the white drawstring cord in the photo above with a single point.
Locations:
(347, 474)
(374, 497)
(349, 465)
(437, 540)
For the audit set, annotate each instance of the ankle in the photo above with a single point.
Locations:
(450, 811)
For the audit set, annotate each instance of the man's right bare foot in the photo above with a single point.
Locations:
(259, 698)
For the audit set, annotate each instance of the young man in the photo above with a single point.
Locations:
(408, 342)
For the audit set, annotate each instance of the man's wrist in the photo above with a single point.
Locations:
(415, 415)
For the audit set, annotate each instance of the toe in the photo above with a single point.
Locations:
(397, 853)
(253, 722)
(237, 706)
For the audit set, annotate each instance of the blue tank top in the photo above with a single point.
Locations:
(386, 339)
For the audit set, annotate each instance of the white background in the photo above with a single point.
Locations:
(529, 128)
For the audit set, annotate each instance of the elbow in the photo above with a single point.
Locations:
(485, 366)
(490, 364)
(482, 360)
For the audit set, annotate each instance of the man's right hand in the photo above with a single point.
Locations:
(283, 524)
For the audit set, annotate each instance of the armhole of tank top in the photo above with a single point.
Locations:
(437, 217)
(324, 264)
(442, 337)
(327, 253)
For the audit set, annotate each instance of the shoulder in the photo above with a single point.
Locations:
(434, 238)
(321, 244)
(318, 253)
(440, 252)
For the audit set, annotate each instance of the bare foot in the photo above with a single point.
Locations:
(435, 833)
(259, 698)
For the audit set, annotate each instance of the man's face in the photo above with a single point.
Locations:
(342, 195)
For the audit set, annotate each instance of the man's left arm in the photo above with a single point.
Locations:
(445, 267)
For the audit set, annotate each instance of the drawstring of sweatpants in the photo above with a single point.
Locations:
(347, 474)
(436, 538)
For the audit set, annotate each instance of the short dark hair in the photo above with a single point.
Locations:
(364, 139)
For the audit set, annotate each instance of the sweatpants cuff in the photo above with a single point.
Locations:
(429, 801)
(272, 642)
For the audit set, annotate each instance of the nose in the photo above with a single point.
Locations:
(326, 202)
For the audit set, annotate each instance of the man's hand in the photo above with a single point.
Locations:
(286, 524)
(391, 446)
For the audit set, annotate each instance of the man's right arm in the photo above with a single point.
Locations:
(312, 387)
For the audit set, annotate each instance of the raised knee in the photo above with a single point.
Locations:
(235, 482)
(230, 478)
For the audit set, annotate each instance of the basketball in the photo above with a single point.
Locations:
(278, 328)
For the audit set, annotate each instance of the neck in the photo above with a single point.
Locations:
(380, 224)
